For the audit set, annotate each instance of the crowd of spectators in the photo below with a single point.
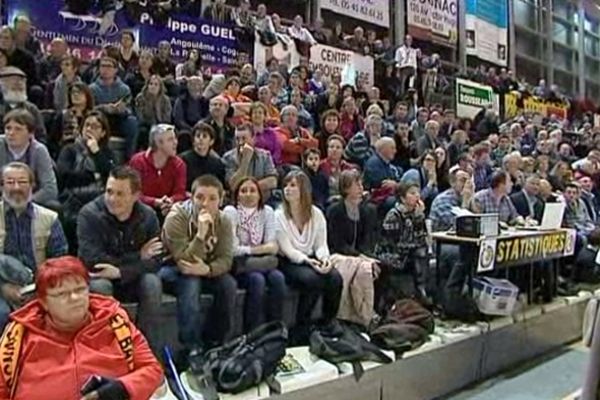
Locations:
(263, 182)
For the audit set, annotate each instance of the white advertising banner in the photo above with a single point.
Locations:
(487, 30)
(374, 11)
(433, 20)
(287, 55)
(331, 59)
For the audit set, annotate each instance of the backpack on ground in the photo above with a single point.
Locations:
(406, 326)
(338, 343)
(460, 306)
(245, 361)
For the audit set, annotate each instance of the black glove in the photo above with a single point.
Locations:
(112, 389)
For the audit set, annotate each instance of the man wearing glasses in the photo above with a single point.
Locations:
(113, 98)
(162, 172)
(29, 234)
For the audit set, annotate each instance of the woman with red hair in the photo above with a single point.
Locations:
(67, 339)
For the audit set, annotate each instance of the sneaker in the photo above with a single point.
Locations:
(567, 288)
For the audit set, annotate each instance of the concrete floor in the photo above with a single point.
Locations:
(548, 378)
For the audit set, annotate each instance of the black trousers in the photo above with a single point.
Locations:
(312, 285)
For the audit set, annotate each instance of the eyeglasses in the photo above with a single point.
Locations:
(14, 182)
(64, 295)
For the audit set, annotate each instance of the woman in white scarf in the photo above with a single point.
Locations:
(255, 250)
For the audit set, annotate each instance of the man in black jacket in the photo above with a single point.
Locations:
(120, 245)
(527, 202)
(430, 140)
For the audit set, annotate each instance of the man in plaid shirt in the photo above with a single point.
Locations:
(442, 219)
(495, 200)
(459, 195)
(31, 234)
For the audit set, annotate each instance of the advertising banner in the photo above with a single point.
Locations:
(286, 55)
(374, 11)
(331, 59)
(326, 58)
(487, 30)
(471, 97)
(87, 30)
(433, 20)
(512, 106)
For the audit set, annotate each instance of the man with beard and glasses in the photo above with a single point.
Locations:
(13, 83)
(18, 144)
(30, 233)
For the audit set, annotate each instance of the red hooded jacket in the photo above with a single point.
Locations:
(54, 365)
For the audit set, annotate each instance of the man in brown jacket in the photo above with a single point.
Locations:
(198, 237)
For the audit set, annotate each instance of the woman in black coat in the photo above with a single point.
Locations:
(352, 222)
(83, 168)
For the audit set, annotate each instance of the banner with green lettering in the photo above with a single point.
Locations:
(471, 97)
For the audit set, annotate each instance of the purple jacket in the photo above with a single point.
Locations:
(267, 140)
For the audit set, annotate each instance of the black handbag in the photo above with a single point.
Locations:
(245, 361)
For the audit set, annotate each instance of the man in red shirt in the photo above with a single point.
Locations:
(163, 173)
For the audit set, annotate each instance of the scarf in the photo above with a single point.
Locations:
(352, 211)
(250, 229)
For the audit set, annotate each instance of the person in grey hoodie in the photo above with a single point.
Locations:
(18, 144)
(113, 97)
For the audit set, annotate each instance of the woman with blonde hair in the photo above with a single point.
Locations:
(152, 107)
(302, 238)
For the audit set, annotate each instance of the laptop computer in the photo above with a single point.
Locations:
(552, 218)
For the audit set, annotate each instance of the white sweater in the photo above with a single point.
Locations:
(299, 247)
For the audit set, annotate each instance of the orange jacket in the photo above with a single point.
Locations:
(53, 365)
(292, 148)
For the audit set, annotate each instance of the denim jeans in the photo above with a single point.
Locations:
(265, 294)
(147, 291)
(190, 318)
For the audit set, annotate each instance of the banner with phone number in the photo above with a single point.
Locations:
(87, 31)
(374, 11)
(433, 21)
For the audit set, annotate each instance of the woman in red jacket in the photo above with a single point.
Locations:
(66, 337)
